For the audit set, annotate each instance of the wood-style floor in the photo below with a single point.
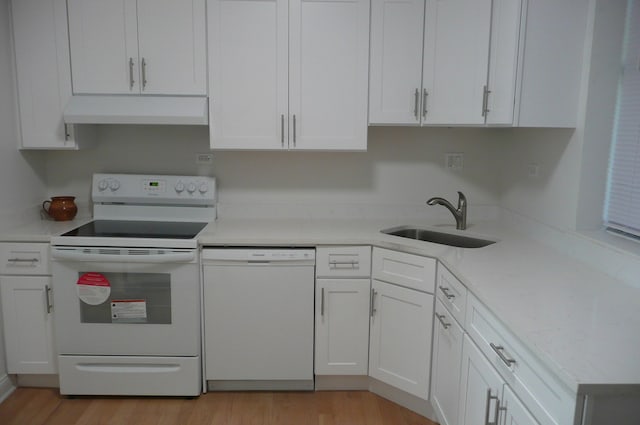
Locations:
(40, 406)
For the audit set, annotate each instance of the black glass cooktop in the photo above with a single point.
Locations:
(138, 229)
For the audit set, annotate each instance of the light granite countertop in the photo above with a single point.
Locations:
(580, 322)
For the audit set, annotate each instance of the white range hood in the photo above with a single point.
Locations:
(114, 109)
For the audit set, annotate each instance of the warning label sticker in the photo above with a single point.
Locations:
(128, 311)
(93, 288)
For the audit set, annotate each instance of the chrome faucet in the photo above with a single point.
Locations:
(460, 213)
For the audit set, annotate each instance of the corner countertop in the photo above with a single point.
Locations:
(580, 322)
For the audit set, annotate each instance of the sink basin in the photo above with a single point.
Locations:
(434, 236)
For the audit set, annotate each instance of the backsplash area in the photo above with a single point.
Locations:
(401, 169)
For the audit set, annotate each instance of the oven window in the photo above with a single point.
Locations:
(133, 298)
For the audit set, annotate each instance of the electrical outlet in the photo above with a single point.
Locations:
(454, 161)
(533, 170)
(204, 158)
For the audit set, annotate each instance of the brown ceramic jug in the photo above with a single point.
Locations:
(60, 208)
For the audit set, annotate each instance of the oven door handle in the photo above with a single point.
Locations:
(172, 257)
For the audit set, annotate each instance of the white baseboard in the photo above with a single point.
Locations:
(6, 387)
(342, 383)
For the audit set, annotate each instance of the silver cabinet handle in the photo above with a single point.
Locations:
(23, 260)
(442, 322)
(488, 406)
(294, 130)
(425, 94)
(344, 264)
(373, 302)
(67, 133)
(47, 292)
(282, 130)
(446, 293)
(485, 101)
(131, 80)
(498, 349)
(144, 73)
(416, 102)
(322, 303)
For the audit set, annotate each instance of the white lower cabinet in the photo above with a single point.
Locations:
(28, 324)
(514, 411)
(343, 288)
(342, 326)
(400, 346)
(485, 397)
(480, 388)
(445, 374)
(27, 309)
(401, 320)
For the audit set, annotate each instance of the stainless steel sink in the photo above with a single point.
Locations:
(434, 236)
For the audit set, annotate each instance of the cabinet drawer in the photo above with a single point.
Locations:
(24, 258)
(452, 293)
(544, 395)
(411, 271)
(343, 261)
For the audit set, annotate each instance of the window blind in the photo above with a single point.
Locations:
(622, 210)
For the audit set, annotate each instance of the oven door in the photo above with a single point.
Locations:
(126, 301)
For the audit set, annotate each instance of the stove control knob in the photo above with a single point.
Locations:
(114, 185)
(191, 187)
(179, 187)
(103, 185)
(203, 188)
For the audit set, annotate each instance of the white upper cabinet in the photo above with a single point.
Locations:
(43, 74)
(288, 75)
(248, 57)
(484, 62)
(396, 61)
(138, 46)
(447, 86)
(456, 59)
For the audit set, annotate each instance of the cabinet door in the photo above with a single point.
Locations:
(447, 356)
(396, 61)
(400, 347)
(172, 52)
(514, 411)
(480, 387)
(456, 57)
(42, 71)
(248, 74)
(104, 46)
(28, 324)
(342, 326)
(329, 69)
(503, 61)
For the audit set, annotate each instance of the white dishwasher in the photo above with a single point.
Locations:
(258, 318)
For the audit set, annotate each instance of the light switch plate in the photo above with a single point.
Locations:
(204, 158)
(454, 161)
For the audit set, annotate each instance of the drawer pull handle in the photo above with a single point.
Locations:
(442, 322)
(322, 303)
(344, 264)
(498, 349)
(22, 260)
(446, 293)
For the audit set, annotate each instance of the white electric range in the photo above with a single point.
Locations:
(126, 288)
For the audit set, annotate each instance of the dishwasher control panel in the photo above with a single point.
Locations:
(259, 255)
